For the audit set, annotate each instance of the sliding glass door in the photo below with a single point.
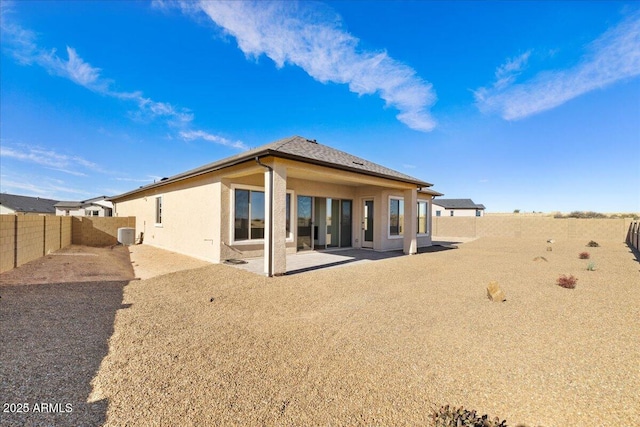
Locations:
(345, 224)
(323, 223)
(305, 217)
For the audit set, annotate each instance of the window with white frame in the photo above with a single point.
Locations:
(159, 210)
(249, 214)
(423, 217)
(396, 216)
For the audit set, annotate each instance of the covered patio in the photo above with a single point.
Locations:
(302, 262)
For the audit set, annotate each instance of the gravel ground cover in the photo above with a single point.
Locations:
(380, 343)
(56, 317)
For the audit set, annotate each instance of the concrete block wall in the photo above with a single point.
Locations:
(516, 226)
(66, 235)
(7, 241)
(633, 235)
(24, 238)
(29, 239)
(52, 233)
(459, 227)
(99, 231)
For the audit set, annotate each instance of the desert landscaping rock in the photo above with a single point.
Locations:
(379, 343)
(494, 292)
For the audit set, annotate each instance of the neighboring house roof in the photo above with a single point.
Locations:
(430, 192)
(457, 204)
(299, 149)
(82, 204)
(26, 204)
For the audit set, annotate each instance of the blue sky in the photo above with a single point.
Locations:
(517, 105)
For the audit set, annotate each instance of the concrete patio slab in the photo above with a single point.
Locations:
(302, 262)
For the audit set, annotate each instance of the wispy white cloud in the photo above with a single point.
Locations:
(149, 178)
(48, 158)
(613, 57)
(70, 172)
(199, 134)
(507, 72)
(22, 44)
(44, 188)
(302, 35)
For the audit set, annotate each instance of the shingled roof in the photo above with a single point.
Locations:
(299, 149)
(80, 204)
(457, 204)
(26, 204)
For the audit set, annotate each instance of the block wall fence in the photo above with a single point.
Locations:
(516, 226)
(633, 235)
(24, 238)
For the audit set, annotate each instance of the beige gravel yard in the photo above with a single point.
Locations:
(382, 343)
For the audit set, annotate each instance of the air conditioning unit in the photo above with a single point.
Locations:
(126, 236)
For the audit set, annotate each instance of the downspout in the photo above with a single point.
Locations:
(270, 241)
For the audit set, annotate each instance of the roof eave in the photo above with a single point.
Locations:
(344, 167)
(253, 155)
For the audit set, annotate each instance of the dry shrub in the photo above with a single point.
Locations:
(567, 282)
(448, 416)
(584, 255)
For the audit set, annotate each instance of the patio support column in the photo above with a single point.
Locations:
(410, 221)
(275, 193)
(279, 239)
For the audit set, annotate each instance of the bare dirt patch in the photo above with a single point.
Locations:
(74, 263)
(383, 342)
(56, 317)
(150, 262)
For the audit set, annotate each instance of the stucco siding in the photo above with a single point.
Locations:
(456, 212)
(6, 210)
(189, 213)
(198, 212)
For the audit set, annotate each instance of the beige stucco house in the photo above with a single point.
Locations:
(13, 204)
(287, 196)
(457, 207)
(98, 206)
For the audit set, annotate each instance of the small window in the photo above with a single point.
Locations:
(451, 213)
(396, 217)
(423, 208)
(478, 212)
(438, 213)
(288, 215)
(159, 210)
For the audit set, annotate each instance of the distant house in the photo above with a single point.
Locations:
(98, 206)
(457, 207)
(15, 204)
(288, 196)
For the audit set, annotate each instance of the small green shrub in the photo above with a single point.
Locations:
(593, 244)
(591, 266)
(584, 255)
(567, 282)
(448, 416)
